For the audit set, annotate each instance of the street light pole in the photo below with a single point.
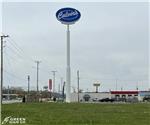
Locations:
(37, 73)
(54, 81)
(28, 84)
(78, 84)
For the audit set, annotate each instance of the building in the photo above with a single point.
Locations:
(89, 96)
(124, 94)
(129, 96)
(142, 94)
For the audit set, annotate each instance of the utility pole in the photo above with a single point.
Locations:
(37, 62)
(54, 80)
(8, 94)
(58, 88)
(63, 90)
(61, 83)
(2, 38)
(78, 83)
(28, 84)
(137, 88)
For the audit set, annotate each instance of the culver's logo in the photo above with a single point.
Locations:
(68, 15)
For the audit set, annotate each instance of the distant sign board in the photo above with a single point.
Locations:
(68, 15)
(96, 84)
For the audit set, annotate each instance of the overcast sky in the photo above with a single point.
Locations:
(109, 42)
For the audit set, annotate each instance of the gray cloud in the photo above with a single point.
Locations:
(109, 42)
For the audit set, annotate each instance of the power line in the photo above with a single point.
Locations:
(19, 49)
(15, 52)
(11, 59)
(11, 74)
(19, 54)
(9, 65)
(15, 44)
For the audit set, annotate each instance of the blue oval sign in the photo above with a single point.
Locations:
(68, 15)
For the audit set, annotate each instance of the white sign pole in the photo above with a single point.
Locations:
(68, 16)
(68, 74)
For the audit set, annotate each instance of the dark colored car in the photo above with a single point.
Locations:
(121, 99)
(107, 100)
(146, 98)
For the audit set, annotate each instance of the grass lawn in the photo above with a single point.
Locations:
(79, 114)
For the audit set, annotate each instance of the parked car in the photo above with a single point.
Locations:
(107, 100)
(121, 99)
(146, 98)
(132, 100)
